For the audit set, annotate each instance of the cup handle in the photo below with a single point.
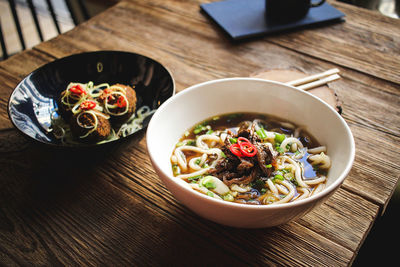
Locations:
(315, 4)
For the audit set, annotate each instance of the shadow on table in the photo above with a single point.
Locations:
(37, 172)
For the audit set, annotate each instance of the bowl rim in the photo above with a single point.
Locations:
(312, 199)
(46, 65)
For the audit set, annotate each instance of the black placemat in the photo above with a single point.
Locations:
(246, 18)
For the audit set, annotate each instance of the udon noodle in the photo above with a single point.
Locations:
(251, 158)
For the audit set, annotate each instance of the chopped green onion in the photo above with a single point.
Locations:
(176, 170)
(209, 193)
(209, 185)
(223, 154)
(191, 143)
(261, 133)
(179, 144)
(279, 177)
(208, 182)
(197, 162)
(228, 197)
(196, 131)
(233, 140)
(280, 150)
(279, 138)
(195, 178)
(268, 166)
(263, 190)
(199, 128)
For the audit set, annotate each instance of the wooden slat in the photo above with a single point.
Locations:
(24, 63)
(7, 84)
(376, 169)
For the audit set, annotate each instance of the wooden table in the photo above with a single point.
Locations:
(113, 210)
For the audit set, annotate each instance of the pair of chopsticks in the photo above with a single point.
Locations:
(316, 79)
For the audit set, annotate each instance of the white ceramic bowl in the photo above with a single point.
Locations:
(202, 101)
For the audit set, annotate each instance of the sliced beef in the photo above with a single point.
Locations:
(254, 127)
(243, 170)
(245, 165)
(245, 129)
(265, 156)
(228, 163)
(245, 179)
(249, 129)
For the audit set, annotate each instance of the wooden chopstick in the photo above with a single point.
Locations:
(319, 82)
(316, 79)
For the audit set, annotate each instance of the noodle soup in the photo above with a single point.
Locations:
(251, 158)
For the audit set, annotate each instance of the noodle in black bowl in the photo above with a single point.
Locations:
(250, 153)
(34, 105)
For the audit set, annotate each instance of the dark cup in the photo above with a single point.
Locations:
(289, 10)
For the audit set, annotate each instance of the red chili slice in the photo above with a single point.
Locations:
(235, 149)
(107, 95)
(107, 91)
(87, 105)
(121, 102)
(248, 149)
(242, 140)
(243, 148)
(77, 89)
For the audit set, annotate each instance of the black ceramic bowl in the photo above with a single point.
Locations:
(33, 101)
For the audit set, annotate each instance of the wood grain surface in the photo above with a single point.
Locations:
(114, 210)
